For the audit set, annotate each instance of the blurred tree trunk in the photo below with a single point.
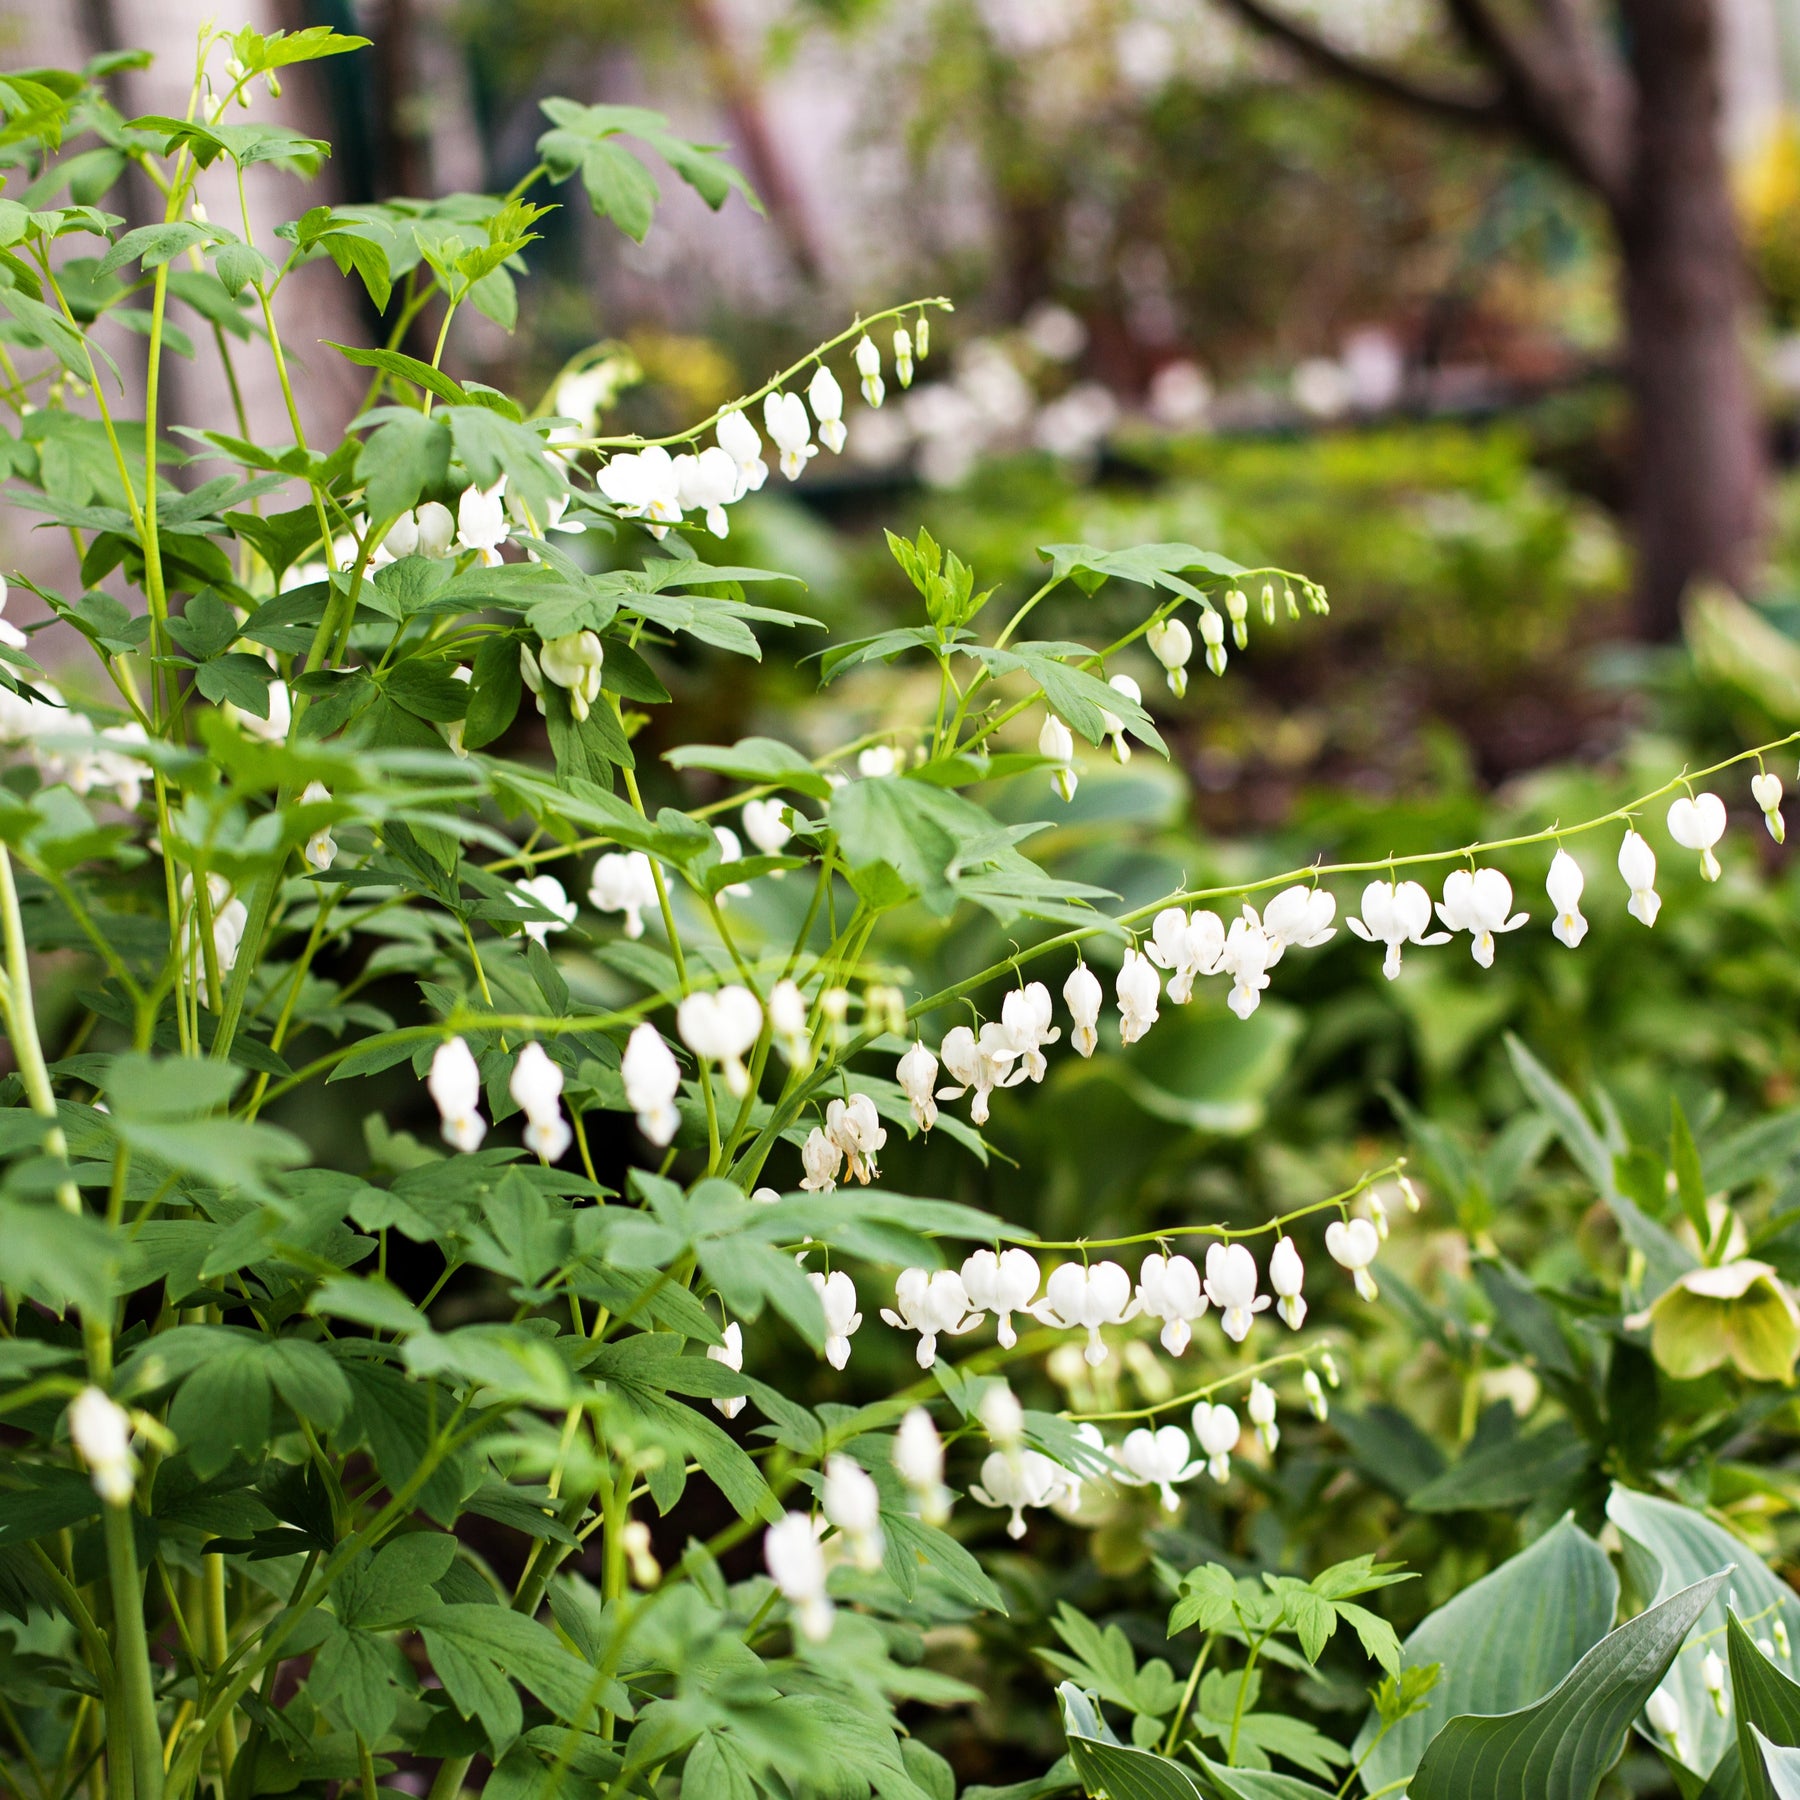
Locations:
(1699, 457)
(1626, 99)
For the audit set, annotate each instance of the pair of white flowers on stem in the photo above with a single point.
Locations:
(536, 1085)
(1003, 1053)
(800, 1557)
(721, 1026)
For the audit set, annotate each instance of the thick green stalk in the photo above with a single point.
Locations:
(132, 1649)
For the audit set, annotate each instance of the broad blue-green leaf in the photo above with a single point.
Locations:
(1502, 1643)
(1561, 1748)
(1668, 1547)
(1258, 1784)
(1782, 1767)
(1764, 1699)
(1125, 1774)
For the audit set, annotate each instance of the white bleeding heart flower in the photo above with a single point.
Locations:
(837, 1297)
(850, 1500)
(455, 1087)
(1287, 1276)
(855, 1127)
(536, 1084)
(1396, 914)
(720, 1027)
(624, 882)
(1086, 1299)
(979, 1064)
(1298, 918)
(932, 1303)
(1637, 865)
(1012, 1481)
(1082, 994)
(1353, 1244)
(1216, 1430)
(1158, 1459)
(766, 826)
(1115, 726)
(1564, 885)
(1001, 1285)
(731, 1354)
(1169, 1289)
(827, 400)
(1025, 1016)
(796, 1564)
(707, 484)
(1765, 790)
(1479, 901)
(652, 1079)
(1057, 742)
(917, 1075)
(1138, 987)
(1231, 1287)
(1187, 946)
(1698, 824)
(1261, 1408)
(1246, 959)
(100, 1429)
(544, 893)
(738, 439)
(919, 1462)
(786, 421)
(481, 522)
(868, 366)
(822, 1159)
(1172, 644)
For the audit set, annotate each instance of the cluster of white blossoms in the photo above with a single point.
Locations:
(662, 490)
(1015, 1479)
(1088, 1298)
(65, 744)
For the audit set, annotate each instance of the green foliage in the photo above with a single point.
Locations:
(333, 1447)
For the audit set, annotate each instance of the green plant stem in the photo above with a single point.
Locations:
(773, 385)
(218, 1653)
(1243, 1690)
(1187, 1693)
(133, 1651)
(1285, 1360)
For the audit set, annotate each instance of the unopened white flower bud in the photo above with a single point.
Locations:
(868, 366)
(100, 1430)
(1212, 634)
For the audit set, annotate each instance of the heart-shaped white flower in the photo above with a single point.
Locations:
(1698, 824)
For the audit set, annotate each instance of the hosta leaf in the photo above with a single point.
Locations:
(1765, 1700)
(1561, 1748)
(1503, 1643)
(1668, 1547)
(1257, 1784)
(1124, 1774)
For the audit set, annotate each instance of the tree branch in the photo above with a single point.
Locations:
(1484, 111)
(1564, 88)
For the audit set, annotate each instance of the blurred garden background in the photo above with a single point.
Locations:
(1486, 316)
